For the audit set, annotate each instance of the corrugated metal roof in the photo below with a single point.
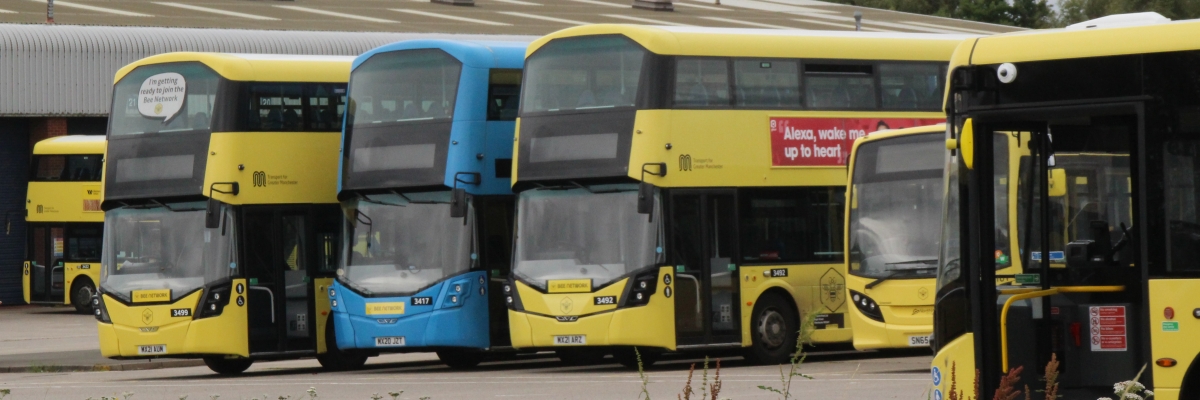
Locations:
(58, 70)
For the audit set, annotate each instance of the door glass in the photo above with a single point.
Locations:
(56, 261)
(40, 253)
(688, 247)
(722, 271)
(295, 275)
(259, 259)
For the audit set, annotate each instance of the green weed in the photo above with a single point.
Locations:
(785, 379)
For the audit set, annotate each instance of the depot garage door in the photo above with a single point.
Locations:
(14, 175)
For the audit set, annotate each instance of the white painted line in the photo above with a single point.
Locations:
(519, 2)
(3, 11)
(881, 23)
(748, 23)
(605, 3)
(216, 11)
(845, 26)
(543, 18)
(967, 30)
(644, 20)
(94, 8)
(336, 14)
(451, 17)
(685, 4)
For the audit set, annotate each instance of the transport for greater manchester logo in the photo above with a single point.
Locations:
(260, 178)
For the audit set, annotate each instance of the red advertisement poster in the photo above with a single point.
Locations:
(819, 142)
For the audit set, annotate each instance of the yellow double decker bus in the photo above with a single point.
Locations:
(62, 212)
(683, 188)
(221, 216)
(1096, 147)
(893, 222)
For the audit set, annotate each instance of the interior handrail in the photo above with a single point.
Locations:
(1022, 294)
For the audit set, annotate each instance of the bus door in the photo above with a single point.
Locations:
(46, 263)
(704, 240)
(280, 299)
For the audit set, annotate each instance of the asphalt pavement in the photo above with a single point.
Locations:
(42, 346)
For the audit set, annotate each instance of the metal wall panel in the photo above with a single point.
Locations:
(64, 70)
(14, 161)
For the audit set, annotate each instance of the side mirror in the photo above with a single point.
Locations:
(645, 198)
(1058, 182)
(212, 214)
(458, 203)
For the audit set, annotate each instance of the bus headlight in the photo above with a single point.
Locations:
(214, 302)
(866, 305)
(99, 308)
(511, 298)
(640, 289)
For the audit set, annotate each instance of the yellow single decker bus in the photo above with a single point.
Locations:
(893, 226)
(1101, 216)
(221, 216)
(683, 188)
(64, 222)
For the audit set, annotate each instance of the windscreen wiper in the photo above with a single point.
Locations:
(411, 201)
(897, 271)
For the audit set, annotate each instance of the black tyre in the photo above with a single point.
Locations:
(774, 330)
(335, 359)
(629, 359)
(81, 295)
(581, 356)
(228, 366)
(460, 359)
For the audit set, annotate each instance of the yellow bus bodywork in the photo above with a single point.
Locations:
(291, 167)
(65, 202)
(915, 317)
(730, 148)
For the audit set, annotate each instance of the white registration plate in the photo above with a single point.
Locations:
(389, 341)
(918, 341)
(152, 349)
(570, 340)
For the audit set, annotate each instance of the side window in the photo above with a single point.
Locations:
(49, 168)
(766, 83)
(1182, 188)
(912, 86)
(792, 225)
(701, 82)
(841, 87)
(83, 243)
(276, 108)
(325, 103)
(504, 92)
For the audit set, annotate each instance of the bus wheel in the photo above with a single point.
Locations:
(629, 359)
(773, 331)
(335, 359)
(227, 366)
(460, 359)
(81, 295)
(581, 356)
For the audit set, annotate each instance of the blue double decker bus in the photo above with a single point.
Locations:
(428, 209)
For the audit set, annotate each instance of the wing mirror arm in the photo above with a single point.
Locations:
(458, 196)
(646, 189)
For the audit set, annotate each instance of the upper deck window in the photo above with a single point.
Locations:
(173, 97)
(767, 83)
(504, 94)
(912, 86)
(701, 82)
(839, 87)
(582, 73)
(408, 85)
(294, 107)
(67, 168)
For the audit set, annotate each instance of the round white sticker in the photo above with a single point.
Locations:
(162, 95)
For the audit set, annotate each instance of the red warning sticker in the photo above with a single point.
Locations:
(1108, 328)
